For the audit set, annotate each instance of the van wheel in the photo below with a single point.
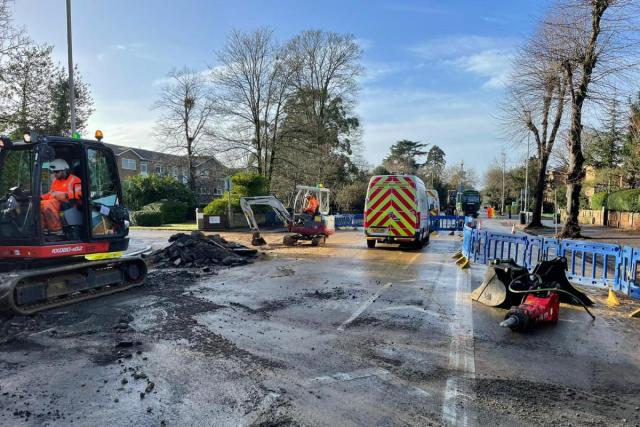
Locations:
(426, 239)
(371, 244)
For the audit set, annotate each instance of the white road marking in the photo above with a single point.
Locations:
(364, 306)
(374, 297)
(381, 373)
(459, 393)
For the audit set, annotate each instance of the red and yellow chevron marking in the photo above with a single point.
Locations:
(392, 205)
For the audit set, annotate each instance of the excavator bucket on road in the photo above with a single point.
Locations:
(501, 275)
(493, 291)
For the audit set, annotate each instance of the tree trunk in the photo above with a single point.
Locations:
(536, 217)
(576, 174)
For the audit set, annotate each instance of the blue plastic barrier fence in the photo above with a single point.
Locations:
(447, 223)
(594, 264)
(505, 246)
(629, 271)
(349, 220)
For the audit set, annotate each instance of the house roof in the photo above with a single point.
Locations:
(155, 156)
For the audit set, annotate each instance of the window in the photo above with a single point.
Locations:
(204, 190)
(218, 191)
(204, 173)
(103, 189)
(129, 164)
(159, 170)
(144, 168)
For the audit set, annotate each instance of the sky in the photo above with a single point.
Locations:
(435, 71)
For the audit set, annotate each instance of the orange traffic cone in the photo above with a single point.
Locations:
(513, 229)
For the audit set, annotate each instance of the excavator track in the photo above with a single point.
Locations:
(29, 291)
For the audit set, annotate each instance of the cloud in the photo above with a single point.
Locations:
(377, 70)
(493, 64)
(455, 46)
(461, 124)
(487, 57)
(167, 80)
(137, 49)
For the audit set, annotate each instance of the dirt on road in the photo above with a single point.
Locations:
(334, 335)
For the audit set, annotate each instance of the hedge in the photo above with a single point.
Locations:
(599, 200)
(173, 211)
(624, 201)
(147, 218)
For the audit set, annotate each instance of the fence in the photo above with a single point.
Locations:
(590, 264)
(438, 223)
(447, 223)
(349, 220)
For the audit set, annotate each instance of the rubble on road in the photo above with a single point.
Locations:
(196, 250)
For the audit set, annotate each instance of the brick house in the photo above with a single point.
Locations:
(210, 173)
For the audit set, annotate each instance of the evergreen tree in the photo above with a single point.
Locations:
(403, 156)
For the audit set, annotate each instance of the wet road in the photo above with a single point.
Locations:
(339, 335)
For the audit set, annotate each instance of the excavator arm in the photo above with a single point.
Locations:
(273, 202)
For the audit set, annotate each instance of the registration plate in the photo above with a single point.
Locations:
(377, 230)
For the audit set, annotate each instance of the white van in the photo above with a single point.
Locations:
(396, 210)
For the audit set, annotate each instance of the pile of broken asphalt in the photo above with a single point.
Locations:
(197, 250)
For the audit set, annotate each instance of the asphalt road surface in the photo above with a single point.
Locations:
(337, 335)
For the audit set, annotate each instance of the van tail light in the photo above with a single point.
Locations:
(417, 219)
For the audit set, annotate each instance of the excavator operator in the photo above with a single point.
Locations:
(312, 205)
(310, 208)
(64, 189)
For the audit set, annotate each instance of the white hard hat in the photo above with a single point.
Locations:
(58, 165)
(307, 194)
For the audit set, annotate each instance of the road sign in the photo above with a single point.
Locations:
(227, 184)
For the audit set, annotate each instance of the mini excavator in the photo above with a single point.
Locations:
(313, 228)
(42, 268)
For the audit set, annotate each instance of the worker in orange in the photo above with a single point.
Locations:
(64, 188)
(310, 207)
(312, 204)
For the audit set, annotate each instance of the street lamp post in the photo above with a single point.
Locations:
(72, 101)
(503, 167)
(526, 179)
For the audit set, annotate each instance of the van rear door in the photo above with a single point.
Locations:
(391, 207)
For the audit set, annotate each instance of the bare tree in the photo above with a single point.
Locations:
(186, 110)
(10, 37)
(253, 84)
(535, 104)
(596, 43)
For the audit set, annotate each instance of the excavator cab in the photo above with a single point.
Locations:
(61, 204)
(92, 209)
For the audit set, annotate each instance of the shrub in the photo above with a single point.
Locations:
(599, 200)
(172, 211)
(220, 206)
(146, 218)
(624, 201)
(245, 184)
(142, 190)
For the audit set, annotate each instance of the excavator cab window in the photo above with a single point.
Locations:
(16, 201)
(70, 208)
(103, 192)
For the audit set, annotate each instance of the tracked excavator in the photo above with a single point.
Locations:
(42, 268)
(301, 227)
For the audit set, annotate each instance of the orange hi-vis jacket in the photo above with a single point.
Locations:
(61, 191)
(69, 186)
(312, 206)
